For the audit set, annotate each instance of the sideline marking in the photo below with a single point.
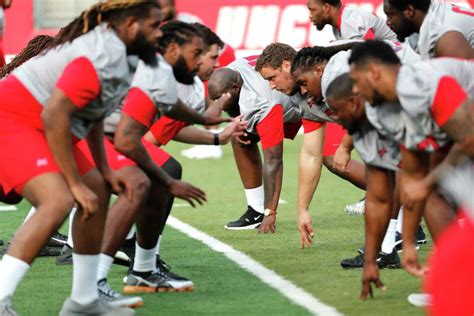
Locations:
(286, 288)
(7, 208)
(280, 201)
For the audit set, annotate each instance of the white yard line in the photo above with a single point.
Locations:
(285, 287)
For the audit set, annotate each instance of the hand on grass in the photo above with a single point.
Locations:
(305, 227)
(370, 275)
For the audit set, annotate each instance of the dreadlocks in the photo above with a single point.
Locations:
(176, 32)
(34, 47)
(308, 57)
(112, 11)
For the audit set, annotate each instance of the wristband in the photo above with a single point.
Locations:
(217, 142)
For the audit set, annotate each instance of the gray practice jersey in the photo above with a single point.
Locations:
(375, 149)
(429, 93)
(440, 19)
(193, 95)
(257, 99)
(355, 23)
(108, 55)
(157, 83)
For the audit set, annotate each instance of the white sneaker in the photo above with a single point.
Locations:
(203, 152)
(420, 299)
(356, 208)
(108, 295)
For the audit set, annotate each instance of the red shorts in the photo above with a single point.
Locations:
(24, 150)
(118, 161)
(26, 154)
(165, 129)
(332, 138)
(450, 279)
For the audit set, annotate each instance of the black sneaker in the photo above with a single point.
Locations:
(164, 268)
(356, 262)
(250, 220)
(45, 252)
(58, 240)
(420, 236)
(389, 261)
(65, 258)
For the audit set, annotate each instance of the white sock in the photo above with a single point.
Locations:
(105, 263)
(145, 259)
(12, 271)
(158, 245)
(256, 198)
(400, 220)
(389, 239)
(84, 278)
(70, 241)
(30, 214)
(131, 233)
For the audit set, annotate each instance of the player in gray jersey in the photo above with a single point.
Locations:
(271, 116)
(382, 158)
(434, 29)
(347, 22)
(322, 136)
(432, 108)
(86, 70)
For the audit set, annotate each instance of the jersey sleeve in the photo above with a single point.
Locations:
(165, 129)
(80, 82)
(354, 26)
(140, 107)
(448, 98)
(270, 128)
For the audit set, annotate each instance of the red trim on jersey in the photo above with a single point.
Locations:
(449, 97)
(270, 129)
(339, 18)
(311, 126)
(140, 107)
(252, 60)
(165, 129)
(227, 56)
(370, 34)
(79, 82)
(428, 142)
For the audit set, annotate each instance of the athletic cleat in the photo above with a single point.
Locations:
(97, 307)
(419, 299)
(58, 240)
(420, 239)
(164, 268)
(203, 152)
(6, 307)
(44, 252)
(420, 236)
(389, 261)
(356, 262)
(356, 208)
(108, 295)
(249, 220)
(65, 258)
(155, 282)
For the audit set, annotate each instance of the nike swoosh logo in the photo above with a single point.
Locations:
(256, 218)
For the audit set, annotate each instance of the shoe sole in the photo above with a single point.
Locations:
(249, 227)
(391, 266)
(146, 289)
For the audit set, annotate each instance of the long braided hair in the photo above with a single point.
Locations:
(176, 32)
(34, 47)
(112, 11)
(309, 57)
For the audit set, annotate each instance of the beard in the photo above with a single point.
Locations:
(182, 73)
(405, 29)
(377, 99)
(145, 50)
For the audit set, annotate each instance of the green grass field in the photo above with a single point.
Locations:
(221, 286)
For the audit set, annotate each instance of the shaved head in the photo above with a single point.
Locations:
(225, 80)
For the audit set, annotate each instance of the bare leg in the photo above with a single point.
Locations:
(122, 214)
(355, 172)
(249, 164)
